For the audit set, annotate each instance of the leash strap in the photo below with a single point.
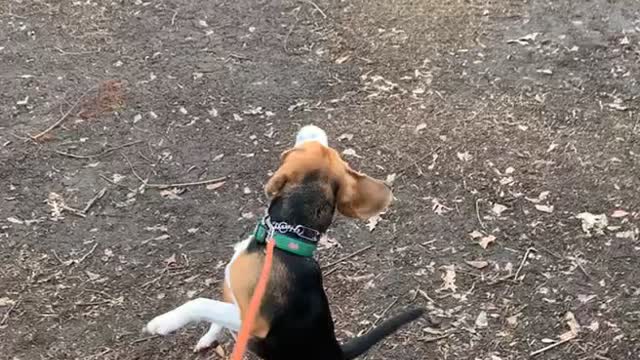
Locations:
(256, 299)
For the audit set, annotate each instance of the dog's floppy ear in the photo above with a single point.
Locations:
(362, 197)
(279, 179)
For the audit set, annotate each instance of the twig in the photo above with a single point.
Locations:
(134, 170)
(286, 39)
(550, 252)
(143, 339)
(93, 156)
(58, 258)
(332, 271)
(584, 271)
(173, 18)
(74, 211)
(384, 312)
(239, 57)
(478, 215)
(72, 155)
(424, 294)
(540, 351)
(524, 258)
(202, 182)
(601, 357)
(420, 159)
(113, 182)
(6, 315)
(425, 339)
(154, 279)
(101, 293)
(317, 8)
(63, 117)
(347, 257)
(85, 256)
(98, 355)
(93, 200)
(92, 303)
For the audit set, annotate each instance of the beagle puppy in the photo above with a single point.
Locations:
(294, 320)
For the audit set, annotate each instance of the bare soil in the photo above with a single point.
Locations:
(498, 122)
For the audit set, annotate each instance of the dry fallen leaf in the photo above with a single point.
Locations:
(56, 204)
(5, 301)
(345, 136)
(92, 276)
(160, 228)
(391, 178)
(476, 234)
(543, 196)
(420, 127)
(373, 222)
(478, 264)
(220, 351)
(544, 208)
(465, 156)
(449, 278)
(439, 208)
(617, 106)
(14, 220)
(619, 214)
(215, 186)
(170, 260)
(629, 234)
(327, 242)
(513, 320)
(595, 222)
(574, 327)
(498, 209)
(481, 320)
(172, 193)
(486, 240)
(351, 152)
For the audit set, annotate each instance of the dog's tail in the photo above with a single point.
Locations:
(359, 345)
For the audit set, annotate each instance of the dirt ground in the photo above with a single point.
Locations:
(510, 130)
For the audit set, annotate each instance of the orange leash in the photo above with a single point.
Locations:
(254, 305)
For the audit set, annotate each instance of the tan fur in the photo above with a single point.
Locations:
(245, 272)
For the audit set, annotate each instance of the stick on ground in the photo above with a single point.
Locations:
(63, 117)
(547, 348)
(201, 182)
(347, 257)
(6, 315)
(93, 156)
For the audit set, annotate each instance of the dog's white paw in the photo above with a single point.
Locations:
(207, 340)
(166, 323)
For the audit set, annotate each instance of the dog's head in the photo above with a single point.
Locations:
(313, 181)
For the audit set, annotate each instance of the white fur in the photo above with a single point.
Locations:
(219, 314)
(311, 133)
(208, 338)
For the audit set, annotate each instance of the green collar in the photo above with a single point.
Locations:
(289, 239)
